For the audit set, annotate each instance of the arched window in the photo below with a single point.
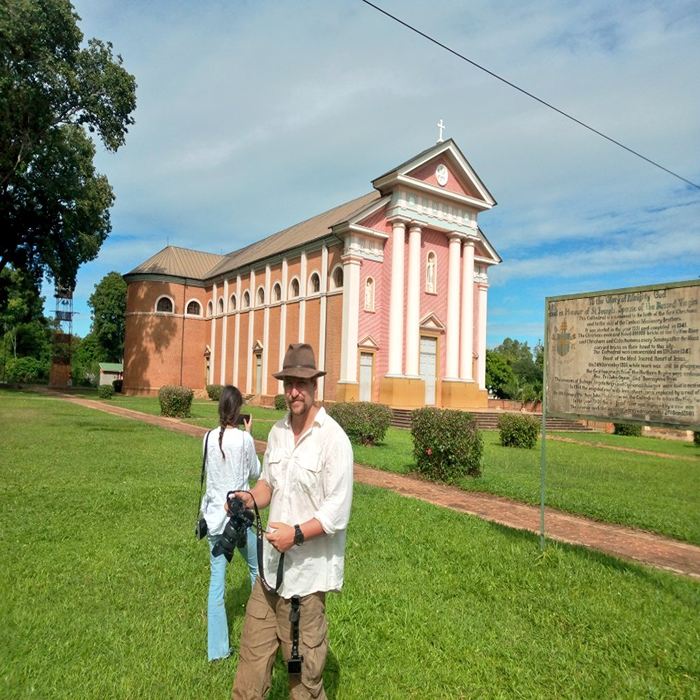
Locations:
(314, 283)
(246, 299)
(164, 305)
(431, 273)
(220, 305)
(210, 308)
(294, 288)
(194, 308)
(277, 292)
(369, 294)
(260, 296)
(337, 277)
(233, 303)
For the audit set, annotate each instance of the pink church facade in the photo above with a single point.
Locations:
(391, 290)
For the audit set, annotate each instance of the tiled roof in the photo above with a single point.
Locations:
(179, 262)
(309, 230)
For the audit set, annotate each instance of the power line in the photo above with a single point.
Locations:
(529, 94)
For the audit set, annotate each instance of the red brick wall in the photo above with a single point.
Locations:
(273, 350)
(334, 310)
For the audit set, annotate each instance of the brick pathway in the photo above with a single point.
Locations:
(623, 542)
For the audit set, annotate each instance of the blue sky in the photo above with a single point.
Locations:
(253, 116)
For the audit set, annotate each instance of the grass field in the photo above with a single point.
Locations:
(103, 587)
(656, 492)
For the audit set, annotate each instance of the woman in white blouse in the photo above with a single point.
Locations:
(231, 463)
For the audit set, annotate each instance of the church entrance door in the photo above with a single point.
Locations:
(366, 373)
(428, 367)
(258, 373)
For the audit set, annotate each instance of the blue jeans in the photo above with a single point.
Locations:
(217, 624)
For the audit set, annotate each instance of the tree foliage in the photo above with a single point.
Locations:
(25, 330)
(108, 306)
(514, 370)
(54, 207)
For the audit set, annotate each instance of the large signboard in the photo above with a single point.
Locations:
(626, 355)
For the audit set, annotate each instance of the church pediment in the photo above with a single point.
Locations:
(431, 322)
(441, 172)
(369, 343)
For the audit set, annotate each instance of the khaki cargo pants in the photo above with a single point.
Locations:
(266, 628)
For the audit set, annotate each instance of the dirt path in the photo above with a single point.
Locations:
(623, 542)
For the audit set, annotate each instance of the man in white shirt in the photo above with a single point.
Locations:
(307, 482)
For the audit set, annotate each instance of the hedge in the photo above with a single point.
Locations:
(280, 402)
(105, 391)
(214, 391)
(175, 401)
(364, 422)
(632, 429)
(518, 431)
(446, 444)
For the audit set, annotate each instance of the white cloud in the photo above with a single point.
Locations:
(254, 115)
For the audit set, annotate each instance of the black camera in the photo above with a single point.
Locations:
(236, 528)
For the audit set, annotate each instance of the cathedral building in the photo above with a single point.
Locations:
(390, 289)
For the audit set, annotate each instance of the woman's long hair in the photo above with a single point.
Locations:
(230, 403)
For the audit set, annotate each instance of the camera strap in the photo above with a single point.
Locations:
(294, 663)
(259, 541)
(201, 478)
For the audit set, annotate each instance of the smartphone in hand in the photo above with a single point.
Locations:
(243, 418)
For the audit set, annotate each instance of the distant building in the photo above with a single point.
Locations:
(390, 289)
(109, 371)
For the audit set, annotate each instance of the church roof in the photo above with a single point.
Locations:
(288, 238)
(179, 262)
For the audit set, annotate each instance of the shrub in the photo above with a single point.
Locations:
(26, 370)
(175, 401)
(446, 444)
(280, 402)
(518, 431)
(696, 437)
(105, 391)
(364, 422)
(633, 429)
(118, 385)
(214, 391)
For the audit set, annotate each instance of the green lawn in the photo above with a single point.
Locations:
(103, 587)
(660, 494)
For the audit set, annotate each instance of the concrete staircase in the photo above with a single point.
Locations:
(488, 420)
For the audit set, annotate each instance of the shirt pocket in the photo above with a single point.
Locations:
(275, 465)
(308, 477)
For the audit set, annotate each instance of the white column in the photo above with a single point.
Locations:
(302, 295)
(237, 332)
(283, 322)
(453, 290)
(413, 301)
(467, 324)
(322, 321)
(212, 339)
(224, 327)
(351, 318)
(481, 362)
(396, 298)
(251, 340)
(266, 328)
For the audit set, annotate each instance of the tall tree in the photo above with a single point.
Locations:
(108, 305)
(54, 207)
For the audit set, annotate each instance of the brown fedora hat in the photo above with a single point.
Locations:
(299, 362)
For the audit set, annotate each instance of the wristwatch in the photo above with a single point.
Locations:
(298, 535)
